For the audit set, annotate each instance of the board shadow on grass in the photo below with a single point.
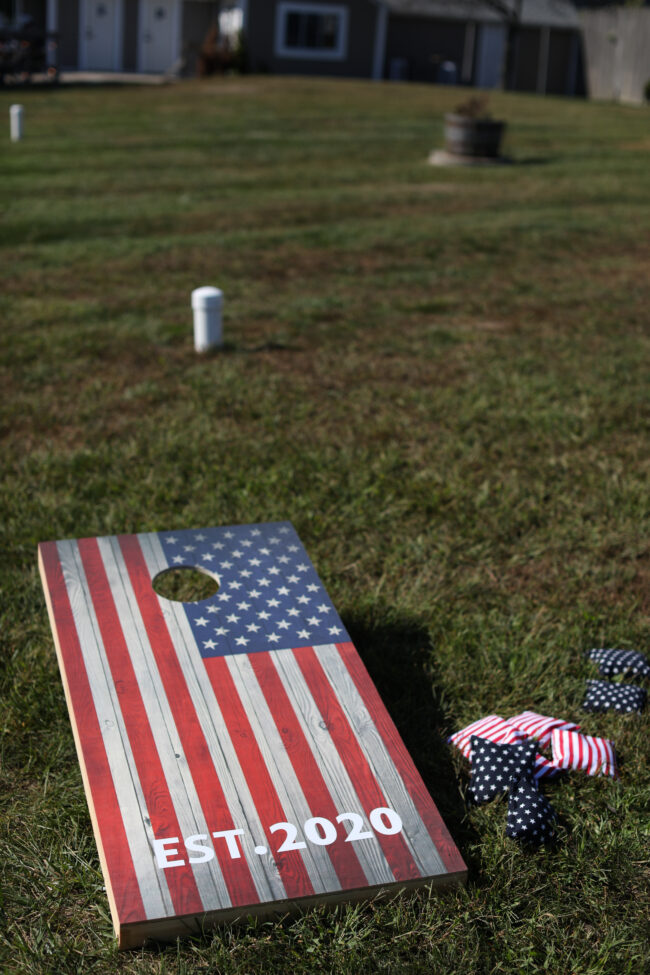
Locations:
(398, 655)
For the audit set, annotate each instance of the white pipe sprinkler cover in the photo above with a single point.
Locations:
(206, 305)
(207, 297)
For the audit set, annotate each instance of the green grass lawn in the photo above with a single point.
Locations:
(440, 376)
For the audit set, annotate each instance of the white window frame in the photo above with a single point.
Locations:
(339, 53)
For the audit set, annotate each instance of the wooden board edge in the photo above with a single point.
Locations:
(77, 741)
(168, 929)
(407, 769)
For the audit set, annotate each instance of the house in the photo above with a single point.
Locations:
(125, 35)
(533, 44)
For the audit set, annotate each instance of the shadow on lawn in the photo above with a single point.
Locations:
(398, 656)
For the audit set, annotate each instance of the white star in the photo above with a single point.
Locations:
(254, 594)
(247, 542)
(274, 637)
(283, 625)
(283, 530)
(312, 587)
(273, 541)
(178, 558)
(189, 548)
(334, 630)
(232, 618)
(283, 558)
(234, 585)
(207, 557)
(252, 627)
(213, 609)
(302, 567)
(254, 562)
(274, 570)
(228, 535)
(201, 621)
(200, 538)
(323, 608)
(223, 596)
(264, 551)
(217, 545)
(255, 531)
(226, 565)
(313, 621)
(221, 631)
(292, 548)
(236, 553)
(272, 602)
(243, 605)
(292, 578)
(209, 644)
(263, 615)
(303, 599)
(241, 641)
(283, 591)
(304, 634)
(171, 540)
(264, 582)
(245, 573)
(293, 611)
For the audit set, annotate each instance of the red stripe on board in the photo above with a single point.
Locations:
(394, 847)
(124, 890)
(344, 859)
(236, 873)
(267, 802)
(160, 805)
(402, 760)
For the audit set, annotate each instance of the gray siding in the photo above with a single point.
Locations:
(130, 37)
(68, 34)
(362, 16)
(424, 44)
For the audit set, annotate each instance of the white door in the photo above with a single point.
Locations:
(100, 24)
(489, 55)
(159, 34)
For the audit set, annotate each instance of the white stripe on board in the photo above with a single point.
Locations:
(392, 785)
(370, 854)
(209, 880)
(222, 752)
(296, 808)
(133, 808)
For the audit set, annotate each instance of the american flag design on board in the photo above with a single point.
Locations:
(236, 756)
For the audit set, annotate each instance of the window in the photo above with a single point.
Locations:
(311, 30)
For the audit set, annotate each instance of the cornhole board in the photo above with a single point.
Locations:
(236, 756)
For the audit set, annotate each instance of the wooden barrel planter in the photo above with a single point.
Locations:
(473, 137)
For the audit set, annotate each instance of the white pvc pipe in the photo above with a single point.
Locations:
(206, 305)
(16, 122)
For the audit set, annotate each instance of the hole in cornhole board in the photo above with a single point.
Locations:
(185, 584)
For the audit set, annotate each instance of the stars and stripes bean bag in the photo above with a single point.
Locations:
(588, 753)
(496, 767)
(236, 757)
(530, 814)
(495, 729)
(603, 695)
(612, 662)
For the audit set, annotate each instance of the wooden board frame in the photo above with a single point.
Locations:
(227, 776)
